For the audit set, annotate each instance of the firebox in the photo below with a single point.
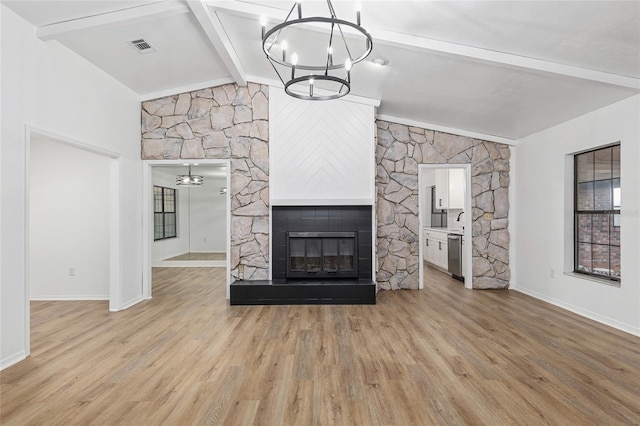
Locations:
(322, 254)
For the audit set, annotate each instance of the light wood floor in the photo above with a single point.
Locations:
(199, 256)
(443, 355)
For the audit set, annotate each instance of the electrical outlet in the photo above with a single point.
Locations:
(72, 271)
(552, 273)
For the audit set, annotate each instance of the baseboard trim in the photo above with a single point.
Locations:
(68, 297)
(128, 304)
(13, 359)
(627, 328)
(189, 264)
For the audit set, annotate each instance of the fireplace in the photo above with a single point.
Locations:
(328, 242)
(322, 254)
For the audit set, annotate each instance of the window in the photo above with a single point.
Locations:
(164, 213)
(597, 213)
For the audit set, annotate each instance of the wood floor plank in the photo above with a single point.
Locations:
(442, 355)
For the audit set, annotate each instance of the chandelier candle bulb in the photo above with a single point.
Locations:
(263, 23)
(294, 62)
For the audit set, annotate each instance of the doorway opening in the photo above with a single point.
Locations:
(186, 225)
(445, 214)
(71, 222)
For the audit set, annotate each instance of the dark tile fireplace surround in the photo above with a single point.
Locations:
(330, 258)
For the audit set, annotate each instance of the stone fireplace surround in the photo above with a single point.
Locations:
(232, 122)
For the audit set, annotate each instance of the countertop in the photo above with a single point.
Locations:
(457, 231)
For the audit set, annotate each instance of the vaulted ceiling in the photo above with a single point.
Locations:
(499, 70)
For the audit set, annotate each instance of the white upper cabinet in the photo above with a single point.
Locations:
(442, 188)
(456, 188)
(450, 188)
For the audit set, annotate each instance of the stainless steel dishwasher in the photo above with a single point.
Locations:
(455, 256)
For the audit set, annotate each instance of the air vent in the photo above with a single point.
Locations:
(142, 46)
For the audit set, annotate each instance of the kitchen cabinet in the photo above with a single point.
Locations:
(450, 188)
(442, 188)
(435, 248)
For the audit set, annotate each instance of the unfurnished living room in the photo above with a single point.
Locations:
(319, 212)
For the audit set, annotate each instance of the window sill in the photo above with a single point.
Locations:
(595, 279)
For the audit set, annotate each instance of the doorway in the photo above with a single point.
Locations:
(444, 208)
(72, 244)
(186, 225)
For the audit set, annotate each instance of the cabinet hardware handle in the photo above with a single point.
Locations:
(427, 242)
(439, 245)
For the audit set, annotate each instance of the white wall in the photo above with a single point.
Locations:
(543, 215)
(208, 217)
(69, 222)
(48, 86)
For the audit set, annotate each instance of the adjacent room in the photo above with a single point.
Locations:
(319, 212)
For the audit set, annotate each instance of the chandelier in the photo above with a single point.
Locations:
(189, 180)
(323, 59)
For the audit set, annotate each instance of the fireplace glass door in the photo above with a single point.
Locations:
(321, 254)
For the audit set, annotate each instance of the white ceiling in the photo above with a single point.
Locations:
(499, 70)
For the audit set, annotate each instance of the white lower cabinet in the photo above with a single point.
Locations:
(436, 248)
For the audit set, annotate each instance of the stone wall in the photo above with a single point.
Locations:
(400, 149)
(225, 122)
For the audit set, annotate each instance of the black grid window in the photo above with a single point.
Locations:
(164, 213)
(597, 213)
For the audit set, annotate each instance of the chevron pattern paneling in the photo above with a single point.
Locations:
(321, 151)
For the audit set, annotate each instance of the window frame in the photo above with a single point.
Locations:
(610, 213)
(165, 191)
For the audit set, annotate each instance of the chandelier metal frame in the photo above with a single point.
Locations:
(189, 180)
(316, 72)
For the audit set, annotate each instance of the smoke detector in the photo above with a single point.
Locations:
(142, 46)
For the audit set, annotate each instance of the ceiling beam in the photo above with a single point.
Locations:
(438, 47)
(507, 60)
(212, 27)
(133, 14)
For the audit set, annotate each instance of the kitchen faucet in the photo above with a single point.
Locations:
(459, 214)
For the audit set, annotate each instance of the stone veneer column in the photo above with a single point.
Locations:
(225, 122)
(400, 149)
